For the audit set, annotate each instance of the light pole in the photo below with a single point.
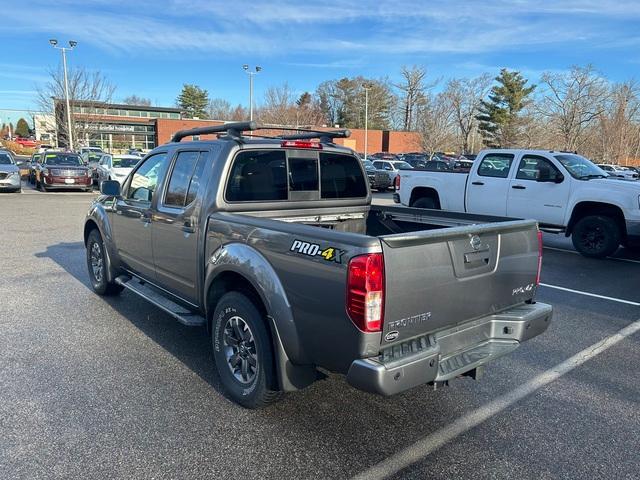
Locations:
(366, 87)
(251, 74)
(72, 45)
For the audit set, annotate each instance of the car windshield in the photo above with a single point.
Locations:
(120, 162)
(62, 159)
(94, 157)
(580, 167)
(402, 166)
(5, 159)
(368, 164)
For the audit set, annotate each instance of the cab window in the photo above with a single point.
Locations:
(144, 181)
(533, 167)
(258, 176)
(496, 165)
(182, 188)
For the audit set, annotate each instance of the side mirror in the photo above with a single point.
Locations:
(110, 188)
(559, 178)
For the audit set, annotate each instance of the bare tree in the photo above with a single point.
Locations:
(279, 106)
(437, 122)
(88, 89)
(413, 91)
(572, 102)
(221, 109)
(466, 96)
(136, 100)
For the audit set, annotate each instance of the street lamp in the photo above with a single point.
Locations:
(367, 87)
(72, 45)
(251, 74)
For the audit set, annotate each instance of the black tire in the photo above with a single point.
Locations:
(240, 338)
(425, 202)
(98, 273)
(41, 186)
(596, 236)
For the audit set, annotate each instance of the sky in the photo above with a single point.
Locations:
(150, 48)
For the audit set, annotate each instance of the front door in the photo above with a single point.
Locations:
(132, 219)
(545, 201)
(175, 225)
(487, 187)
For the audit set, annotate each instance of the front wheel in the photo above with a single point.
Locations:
(596, 236)
(242, 352)
(97, 265)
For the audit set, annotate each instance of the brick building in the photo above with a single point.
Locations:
(377, 140)
(117, 127)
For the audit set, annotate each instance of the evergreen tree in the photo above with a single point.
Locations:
(22, 128)
(194, 101)
(499, 117)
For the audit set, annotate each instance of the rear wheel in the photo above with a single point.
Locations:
(97, 266)
(596, 236)
(425, 202)
(242, 352)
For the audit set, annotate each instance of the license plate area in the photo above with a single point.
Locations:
(69, 181)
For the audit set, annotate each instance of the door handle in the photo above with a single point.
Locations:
(188, 227)
(477, 183)
(519, 187)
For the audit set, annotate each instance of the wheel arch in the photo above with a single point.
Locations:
(425, 192)
(238, 267)
(587, 208)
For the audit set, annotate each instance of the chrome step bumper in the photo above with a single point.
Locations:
(449, 353)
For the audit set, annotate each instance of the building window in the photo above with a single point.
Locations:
(195, 138)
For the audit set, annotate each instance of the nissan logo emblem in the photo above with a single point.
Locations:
(475, 242)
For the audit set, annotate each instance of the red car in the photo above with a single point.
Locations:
(26, 142)
(65, 170)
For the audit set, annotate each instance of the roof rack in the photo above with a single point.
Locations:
(234, 130)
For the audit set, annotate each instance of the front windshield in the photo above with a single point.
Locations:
(62, 159)
(94, 157)
(5, 159)
(580, 167)
(119, 162)
(402, 166)
(368, 164)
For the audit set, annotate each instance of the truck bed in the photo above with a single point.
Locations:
(435, 278)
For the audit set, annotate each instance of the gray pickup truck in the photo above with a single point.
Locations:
(272, 244)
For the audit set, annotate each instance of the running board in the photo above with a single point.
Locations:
(154, 296)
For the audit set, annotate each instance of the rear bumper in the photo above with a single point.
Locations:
(449, 353)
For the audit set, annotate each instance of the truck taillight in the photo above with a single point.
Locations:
(539, 257)
(396, 182)
(365, 291)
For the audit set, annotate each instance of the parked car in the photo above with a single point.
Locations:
(437, 165)
(618, 171)
(56, 170)
(9, 173)
(416, 160)
(273, 245)
(116, 167)
(135, 151)
(378, 179)
(26, 142)
(91, 159)
(44, 147)
(392, 167)
(82, 150)
(565, 192)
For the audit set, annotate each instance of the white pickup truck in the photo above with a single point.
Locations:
(564, 192)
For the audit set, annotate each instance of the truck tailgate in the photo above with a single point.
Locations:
(436, 279)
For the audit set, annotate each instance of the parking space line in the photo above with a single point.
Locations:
(556, 249)
(439, 438)
(595, 295)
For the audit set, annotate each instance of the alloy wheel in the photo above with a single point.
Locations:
(97, 262)
(240, 350)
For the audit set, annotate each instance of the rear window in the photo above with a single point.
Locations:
(258, 176)
(278, 175)
(341, 177)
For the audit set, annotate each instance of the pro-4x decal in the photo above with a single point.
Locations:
(330, 254)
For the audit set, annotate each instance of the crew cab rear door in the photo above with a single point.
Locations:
(176, 217)
(488, 184)
(435, 279)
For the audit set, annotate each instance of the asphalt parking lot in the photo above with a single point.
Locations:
(114, 388)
